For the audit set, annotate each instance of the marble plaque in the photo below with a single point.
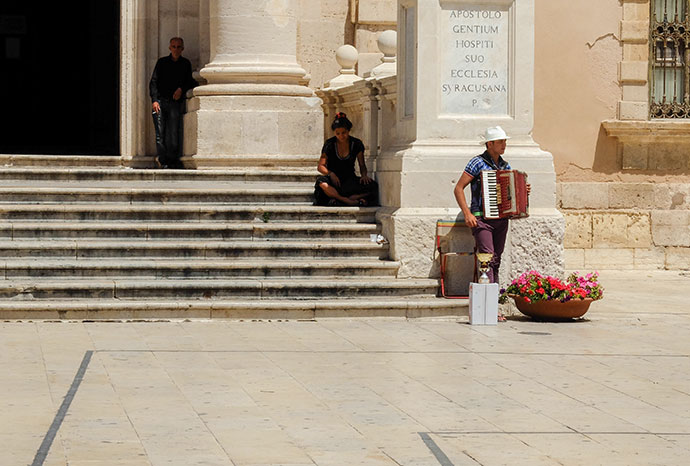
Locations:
(475, 40)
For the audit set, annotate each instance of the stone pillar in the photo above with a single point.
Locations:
(204, 38)
(464, 66)
(634, 68)
(256, 101)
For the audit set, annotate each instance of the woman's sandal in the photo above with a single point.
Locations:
(501, 318)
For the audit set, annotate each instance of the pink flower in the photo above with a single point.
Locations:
(536, 287)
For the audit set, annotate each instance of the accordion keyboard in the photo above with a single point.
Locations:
(491, 194)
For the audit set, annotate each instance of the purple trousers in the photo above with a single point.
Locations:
(490, 236)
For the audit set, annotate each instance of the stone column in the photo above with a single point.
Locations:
(464, 66)
(204, 37)
(256, 101)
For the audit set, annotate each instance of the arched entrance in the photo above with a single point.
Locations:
(59, 75)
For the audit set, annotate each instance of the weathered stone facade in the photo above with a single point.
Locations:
(623, 179)
(626, 225)
(624, 186)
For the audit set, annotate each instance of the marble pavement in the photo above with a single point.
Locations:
(611, 390)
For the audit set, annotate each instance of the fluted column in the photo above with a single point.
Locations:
(255, 100)
(254, 49)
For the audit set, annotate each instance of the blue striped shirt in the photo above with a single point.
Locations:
(474, 167)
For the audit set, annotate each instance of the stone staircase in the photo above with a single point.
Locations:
(85, 238)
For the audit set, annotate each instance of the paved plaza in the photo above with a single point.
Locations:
(613, 389)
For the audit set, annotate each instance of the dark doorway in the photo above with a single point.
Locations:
(60, 77)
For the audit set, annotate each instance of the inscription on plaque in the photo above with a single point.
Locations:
(474, 69)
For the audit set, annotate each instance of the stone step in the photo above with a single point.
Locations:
(52, 269)
(244, 309)
(249, 173)
(208, 231)
(68, 161)
(268, 288)
(83, 237)
(249, 194)
(191, 249)
(101, 161)
(256, 160)
(207, 212)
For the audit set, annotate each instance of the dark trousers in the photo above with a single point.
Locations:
(490, 236)
(168, 125)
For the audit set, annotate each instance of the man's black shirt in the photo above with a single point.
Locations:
(168, 75)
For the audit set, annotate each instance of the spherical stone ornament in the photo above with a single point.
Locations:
(387, 42)
(346, 56)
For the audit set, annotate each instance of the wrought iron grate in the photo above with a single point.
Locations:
(669, 58)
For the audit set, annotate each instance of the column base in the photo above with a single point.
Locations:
(412, 234)
(254, 89)
(217, 127)
(533, 243)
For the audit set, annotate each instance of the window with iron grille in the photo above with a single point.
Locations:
(669, 57)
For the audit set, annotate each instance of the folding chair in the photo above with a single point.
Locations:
(443, 246)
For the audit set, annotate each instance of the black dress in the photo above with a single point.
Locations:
(344, 169)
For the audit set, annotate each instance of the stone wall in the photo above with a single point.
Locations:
(626, 225)
(623, 180)
(573, 96)
(373, 17)
(322, 27)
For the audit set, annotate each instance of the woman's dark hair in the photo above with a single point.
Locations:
(341, 121)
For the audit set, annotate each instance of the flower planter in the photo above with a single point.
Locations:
(552, 309)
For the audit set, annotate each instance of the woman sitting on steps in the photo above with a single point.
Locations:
(339, 185)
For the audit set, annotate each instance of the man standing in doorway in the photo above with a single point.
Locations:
(170, 81)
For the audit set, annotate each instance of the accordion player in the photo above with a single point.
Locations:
(505, 194)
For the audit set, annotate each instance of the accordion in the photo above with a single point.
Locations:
(505, 194)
